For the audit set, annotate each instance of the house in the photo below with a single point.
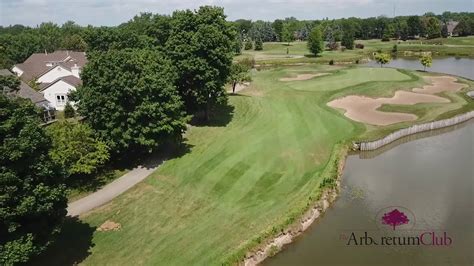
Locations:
(57, 74)
(451, 25)
(35, 97)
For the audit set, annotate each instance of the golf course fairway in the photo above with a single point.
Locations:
(246, 178)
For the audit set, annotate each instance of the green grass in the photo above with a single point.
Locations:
(243, 181)
(275, 53)
(95, 182)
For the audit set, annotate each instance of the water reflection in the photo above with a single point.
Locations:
(431, 176)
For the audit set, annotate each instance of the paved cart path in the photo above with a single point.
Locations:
(112, 190)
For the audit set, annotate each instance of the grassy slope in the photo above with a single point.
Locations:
(275, 53)
(241, 179)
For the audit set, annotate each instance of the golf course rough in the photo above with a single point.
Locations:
(246, 179)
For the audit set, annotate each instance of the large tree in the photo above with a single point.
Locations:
(239, 74)
(464, 27)
(76, 149)
(348, 40)
(415, 27)
(128, 97)
(315, 41)
(433, 28)
(32, 195)
(201, 48)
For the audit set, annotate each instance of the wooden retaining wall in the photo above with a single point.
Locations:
(372, 145)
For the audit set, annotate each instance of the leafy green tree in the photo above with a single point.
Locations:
(433, 28)
(394, 49)
(444, 31)
(69, 111)
(262, 30)
(278, 28)
(129, 98)
(415, 27)
(201, 48)
(243, 25)
(258, 45)
(464, 28)
(426, 61)
(9, 83)
(348, 40)
(238, 45)
(287, 33)
(76, 149)
(248, 45)
(383, 59)
(74, 43)
(239, 73)
(32, 194)
(315, 41)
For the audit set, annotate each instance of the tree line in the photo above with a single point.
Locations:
(143, 82)
(428, 25)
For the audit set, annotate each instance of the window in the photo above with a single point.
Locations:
(61, 99)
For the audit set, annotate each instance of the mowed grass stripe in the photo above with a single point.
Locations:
(239, 179)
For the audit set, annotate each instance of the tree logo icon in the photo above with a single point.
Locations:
(396, 217)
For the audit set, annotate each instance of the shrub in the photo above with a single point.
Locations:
(248, 45)
(359, 46)
(258, 45)
(69, 111)
(348, 41)
(395, 49)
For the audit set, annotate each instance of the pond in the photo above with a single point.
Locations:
(463, 67)
(430, 178)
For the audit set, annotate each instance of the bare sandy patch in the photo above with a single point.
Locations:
(304, 77)
(364, 109)
(239, 87)
(440, 84)
(109, 226)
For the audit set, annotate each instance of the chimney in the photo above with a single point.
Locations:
(76, 70)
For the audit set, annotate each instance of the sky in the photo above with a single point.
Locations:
(114, 12)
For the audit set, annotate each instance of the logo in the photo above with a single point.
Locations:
(395, 218)
(396, 228)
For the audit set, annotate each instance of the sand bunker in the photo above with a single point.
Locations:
(304, 77)
(109, 226)
(440, 84)
(364, 109)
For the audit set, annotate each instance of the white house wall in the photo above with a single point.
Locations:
(54, 74)
(59, 88)
(17, 71)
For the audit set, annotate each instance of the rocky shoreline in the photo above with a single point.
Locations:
(275, 244)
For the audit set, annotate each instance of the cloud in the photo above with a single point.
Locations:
(113, 12)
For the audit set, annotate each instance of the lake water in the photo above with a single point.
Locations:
(463, 67)
(428, 176)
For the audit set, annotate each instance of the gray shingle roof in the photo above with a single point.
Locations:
(26, 91)
(72, 80)
(35, 65)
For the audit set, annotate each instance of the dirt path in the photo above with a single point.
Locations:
(113, 189)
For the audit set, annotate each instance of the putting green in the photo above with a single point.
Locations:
(239, 179)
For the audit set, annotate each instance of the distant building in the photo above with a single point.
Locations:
(451, 25)
(35, 97)
(57, 74)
